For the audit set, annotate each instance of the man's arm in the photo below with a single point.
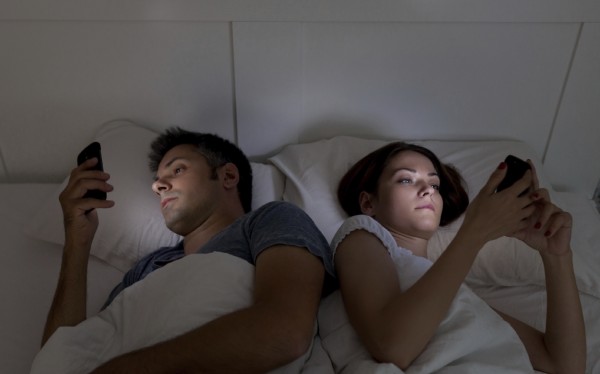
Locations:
(69, 303)
(274, 331)
(80, 220)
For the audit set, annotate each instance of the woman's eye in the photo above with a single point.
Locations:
(405, 181)
(436, 187)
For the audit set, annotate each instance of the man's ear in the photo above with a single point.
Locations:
(365, 201)
(230, 175)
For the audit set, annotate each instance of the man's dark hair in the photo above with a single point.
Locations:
(216, 150)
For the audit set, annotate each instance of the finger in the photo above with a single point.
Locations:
(535, 181)
(540, 196)
(546, 211)
(521, 185)
(86, 165)
(91, 174)
(89, 204)
(495, 179)
(86, 185)
(556, 222)
(83, 171)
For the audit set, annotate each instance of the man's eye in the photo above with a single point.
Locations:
(178, 170)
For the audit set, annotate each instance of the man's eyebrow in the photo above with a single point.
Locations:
(168, 164)
(173, 160)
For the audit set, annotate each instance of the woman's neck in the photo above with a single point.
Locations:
(417, 245)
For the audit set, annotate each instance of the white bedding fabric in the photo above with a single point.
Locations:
(169, 302)
(29, 271)
(313, 171)
(28, 275)
(472, 338)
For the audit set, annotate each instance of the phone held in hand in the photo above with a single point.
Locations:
(91, 151)
(516, 168)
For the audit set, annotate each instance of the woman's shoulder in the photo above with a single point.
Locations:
(358, 222)
(366, 223)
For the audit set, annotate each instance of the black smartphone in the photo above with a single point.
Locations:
(516, 168)
(91, 151)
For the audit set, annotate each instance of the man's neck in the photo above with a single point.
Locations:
(196, 239)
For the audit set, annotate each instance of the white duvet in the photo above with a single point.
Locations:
(168, 302)
(471, 339)
(199, 288)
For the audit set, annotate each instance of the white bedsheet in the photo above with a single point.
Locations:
(29, 270)
(472, 338)
(28, 274)
(528, 303)
(169, 302)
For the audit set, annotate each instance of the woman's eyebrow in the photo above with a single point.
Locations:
(431, 174)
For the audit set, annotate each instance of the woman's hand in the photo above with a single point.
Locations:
(494, 214)
(549, 228)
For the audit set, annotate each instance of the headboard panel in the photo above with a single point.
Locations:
(268, 73)
(306, 10)
(573, 157)
(400, 80)
(62, 80)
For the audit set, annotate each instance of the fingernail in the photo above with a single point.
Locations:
(538, 225)
(502, 165)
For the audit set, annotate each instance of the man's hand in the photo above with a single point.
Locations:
(79, 215)
(81, 221)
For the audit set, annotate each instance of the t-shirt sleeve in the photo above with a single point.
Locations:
(282, 223)
(363, 222)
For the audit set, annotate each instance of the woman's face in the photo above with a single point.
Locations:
(408, 199)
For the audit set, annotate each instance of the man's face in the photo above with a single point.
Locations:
(188, 194)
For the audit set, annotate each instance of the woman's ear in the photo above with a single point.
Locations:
(365, 201)
(230, 175)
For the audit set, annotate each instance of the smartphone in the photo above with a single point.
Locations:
(91, 151)
(516, 168)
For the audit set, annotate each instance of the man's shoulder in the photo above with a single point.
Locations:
(277, 212)
(276, 206)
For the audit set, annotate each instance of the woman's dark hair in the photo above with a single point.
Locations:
(364, 176)
(215, 149)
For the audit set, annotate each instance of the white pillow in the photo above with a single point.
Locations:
(313, 171)
(134, 226)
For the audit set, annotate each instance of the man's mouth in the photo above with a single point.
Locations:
(166, 201)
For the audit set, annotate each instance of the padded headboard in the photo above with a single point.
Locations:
(269, 73)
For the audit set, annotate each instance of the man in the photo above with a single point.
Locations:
(205, 188)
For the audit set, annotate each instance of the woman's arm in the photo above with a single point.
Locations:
(396, 326)
(562, 348)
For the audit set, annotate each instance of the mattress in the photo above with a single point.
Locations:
(29, 274)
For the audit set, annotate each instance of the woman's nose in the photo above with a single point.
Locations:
(425, 188)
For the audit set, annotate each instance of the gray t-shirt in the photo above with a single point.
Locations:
(275, 223)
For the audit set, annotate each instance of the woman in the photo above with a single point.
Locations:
(403, 190)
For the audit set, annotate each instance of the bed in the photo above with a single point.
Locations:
(304, 90)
